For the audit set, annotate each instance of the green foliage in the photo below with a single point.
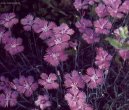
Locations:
(118, 45)
(115, 43)
(123, 32)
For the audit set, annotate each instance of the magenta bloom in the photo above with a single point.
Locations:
(90, 36)
(93, 78)
(27, 22)
(101, 10)
(63, 30)
(80, 4)
(112, 3)
(83, 25)
(44, 28)
(9, 98)
(13, 46)
(8, 20)
(125, 7)
(43, 102)
(124, 54)
(75, 99)
(73, 80)
(25, 85)
(6, 37)
(48, 81)
(102, 26)
(115, 12)
(54, 58)
(103, 59)
(58, 43)
(115, 8)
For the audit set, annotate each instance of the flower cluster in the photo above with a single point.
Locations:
(83, 4)
(56, 37)
(61, 37)
(57, 44)
(95, 20)
(118, 10)
(114, 8)
(12, 45)
(88, 34)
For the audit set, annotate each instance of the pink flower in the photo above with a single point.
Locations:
(112, 3)
(83, 25)
(90, 36)
(54, 58)
(63, 30)
(93, 78)
(27, 22)
(14, 46)
(124, 54)
(115, 12)
(80, 4)
(25, 85)
(116, 8)
(43, 102)
(103, 59)
(44, 28)
(9, 98)
(5, 37)
(125, 7)
(73, 80)
(101, 10)
(58, 43)
(8, 20)
(48, 81)
(75, 98)
(102, 26)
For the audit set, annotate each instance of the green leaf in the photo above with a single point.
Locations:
(125, 46)
(123, 32)
(115, 43)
